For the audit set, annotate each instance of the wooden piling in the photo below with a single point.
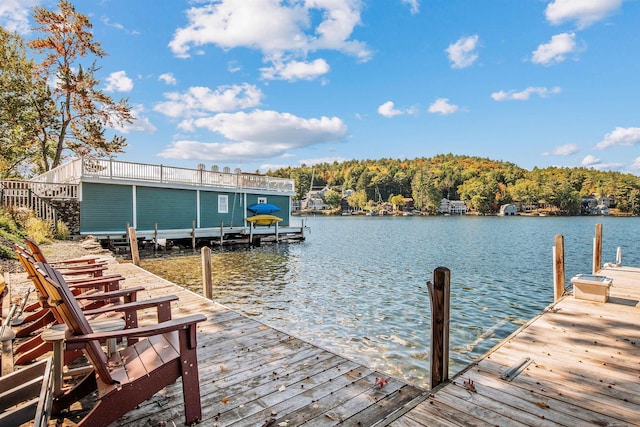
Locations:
(439, 294)
(133, 243)
(155, 237)
(558, 268)
(193, 235)
(207, 289)
(276, 232)
(221, 233)
(597, 249)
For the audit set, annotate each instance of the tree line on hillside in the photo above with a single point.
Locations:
(484, 184)
(50, 103)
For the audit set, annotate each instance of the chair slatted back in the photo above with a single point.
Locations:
(35, 249)
(29, 264)
(63, 301)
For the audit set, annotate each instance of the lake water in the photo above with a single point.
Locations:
(357, 285)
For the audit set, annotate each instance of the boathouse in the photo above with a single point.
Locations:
(103, 197)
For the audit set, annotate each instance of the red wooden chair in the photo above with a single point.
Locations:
(135, 373)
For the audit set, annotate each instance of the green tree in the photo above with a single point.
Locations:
(83, 112)
(23, 98)
(424, 192)
(332, 198)
(397, 200)
(358, 199)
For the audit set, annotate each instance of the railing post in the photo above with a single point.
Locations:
(439, 294)
(207, 289)
(133, 243)
(558, 268)
(597, 249)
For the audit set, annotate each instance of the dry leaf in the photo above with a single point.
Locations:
(381, 381)
(224, 400)
(542, 405)
(469, 385)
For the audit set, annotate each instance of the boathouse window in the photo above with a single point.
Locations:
(262, 200)
(223, 203)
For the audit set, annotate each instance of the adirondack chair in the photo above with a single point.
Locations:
(39, 256)
(108, 301)
(71, 267)
(137, 372)
(42, 317)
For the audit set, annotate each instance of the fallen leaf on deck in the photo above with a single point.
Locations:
(224, 400)
(381, 381)
(542, 405)
(469, 385)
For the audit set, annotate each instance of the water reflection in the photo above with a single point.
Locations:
(357, 285)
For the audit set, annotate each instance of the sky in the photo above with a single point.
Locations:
(263, 84)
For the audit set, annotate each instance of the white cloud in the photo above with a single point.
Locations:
(585, 12)
(462, 53)
(387, 110)
(620, 136)
(119, 82)
(590, 160)
(168, 78)
(140, 123)
(442, 106)
(233, 67)
(563, 150)
(556, 50)
(14, 14)
(524, 95)
(636, 164)
(414, 5)
(273, 27)
(595, 163)
(199, 101)
(106, 21)
(295, 70)
(256, 135)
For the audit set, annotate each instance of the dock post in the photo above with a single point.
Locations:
(277, 232)
(155, 237)
(597, 249)
(193, 235)
(221, 233)
(133, 243)
(206, 272)
(439, 294)
(619, 257)
(302, 229)
(558, 268)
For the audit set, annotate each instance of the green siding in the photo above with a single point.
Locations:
(169, 208)
(280, 201)
(105, 207)
(209, 215)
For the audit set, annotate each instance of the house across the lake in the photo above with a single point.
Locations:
(103, 197)
(508, 210)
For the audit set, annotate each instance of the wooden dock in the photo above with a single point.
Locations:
(254, 375)
(580, 364)
(575, 364)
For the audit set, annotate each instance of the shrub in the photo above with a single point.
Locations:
(62, 231)
(38, 229)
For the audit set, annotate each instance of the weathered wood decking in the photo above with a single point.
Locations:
(584, 370)
(254, 375)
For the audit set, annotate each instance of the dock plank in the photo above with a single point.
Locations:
(584, 370)
(251, 373)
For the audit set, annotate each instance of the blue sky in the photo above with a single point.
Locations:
(261, 84)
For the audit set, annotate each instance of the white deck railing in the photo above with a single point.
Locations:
(73, 171)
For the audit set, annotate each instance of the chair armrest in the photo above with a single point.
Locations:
(106, 283)
(75, 341)
(111, 295)
(163, 305)
(72, 282)
(71, 262)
